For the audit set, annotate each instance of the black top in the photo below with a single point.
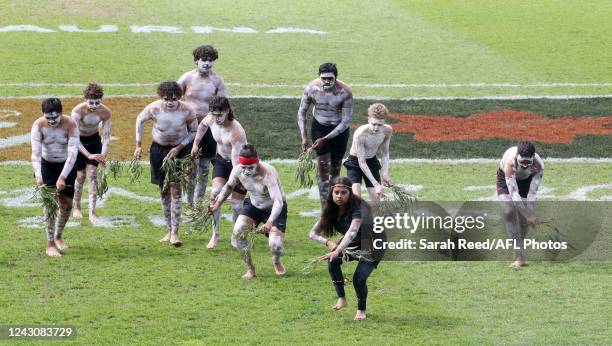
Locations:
(343, 223)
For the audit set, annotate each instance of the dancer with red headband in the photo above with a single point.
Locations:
(347, 214)
(230, 137)
(267, 204)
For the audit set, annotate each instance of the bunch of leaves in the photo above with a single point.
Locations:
(171, 168)
(114, 168)
(304, 171)
(186, 170)
(134, 170)
(198, 218)
(347, 255)
(47, 196)
(102, 182)
(399, 200)
(548, 230)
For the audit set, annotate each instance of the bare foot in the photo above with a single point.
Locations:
(165, 238)
(52, 251)
(60, 244)
(76, 213)
(93, 219)
(340, 303)
(174, 240)
(214, 240)
(279, 268)
(360, 315)
(518, 263)
(250, 273)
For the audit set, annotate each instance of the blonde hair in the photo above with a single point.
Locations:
(378, 110)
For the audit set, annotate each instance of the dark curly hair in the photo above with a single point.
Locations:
(329, 67)
(248, 150)
(525, 149)
(93, 91)
(169, 89)
(206, 51)
(220, 103)
(51, 105)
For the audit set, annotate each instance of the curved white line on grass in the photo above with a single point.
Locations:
(37, 222)
(5, 124)
(581, 194)
(103, 28)
(157, 221)
(246, 30)
(145, 29)
(295, 30)
(589, 160)
(116, 222)
(7, 113)
(35, 28)
(210, 29)
(14, 141)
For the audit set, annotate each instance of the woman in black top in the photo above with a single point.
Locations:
(349, 215)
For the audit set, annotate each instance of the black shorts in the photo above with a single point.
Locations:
(93, 144)
(222, 168)
(262, 215)
(336, 146)
(158, 153)
(355, 173)
(51, 171)
(208, 145)
(502, 188)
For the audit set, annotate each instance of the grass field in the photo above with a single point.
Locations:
(462, 79)
(119, 285)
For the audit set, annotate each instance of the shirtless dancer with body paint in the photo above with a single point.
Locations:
(333, 108)
(92, 150)
(230, 138)
(55, 144)
(199, 86)
(267, 204)
(518, 177)
(174, 127)
(362, 163)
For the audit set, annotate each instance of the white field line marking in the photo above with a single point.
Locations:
(417, 98)
(361, 85)
(589, 160)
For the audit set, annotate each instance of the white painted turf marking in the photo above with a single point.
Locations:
(361, 85)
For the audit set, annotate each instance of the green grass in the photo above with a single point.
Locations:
(374, 42)
(121, 286)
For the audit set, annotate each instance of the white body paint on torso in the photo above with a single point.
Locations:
(257, 186)
(169, 128)
(520, 172)
(365, 143)
(89, 123)
(54, 144)
(200, 90)
(328, 105)
(225, 135)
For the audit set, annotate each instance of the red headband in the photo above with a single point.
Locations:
(248, 160)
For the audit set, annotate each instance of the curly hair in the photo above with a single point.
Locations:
(169, 89)
(329, 67)
(525, 149)
(206, 51)
(248, 150)
(378, 110)
(220, 103)
(93, 91)
(51, 105)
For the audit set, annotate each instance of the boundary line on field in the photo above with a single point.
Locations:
(389, 98)
(362, 85)
(590, 160)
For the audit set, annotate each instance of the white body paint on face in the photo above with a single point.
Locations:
(93, 104)
(89, 120)
(53, 119)
(204, 66)
(199, 90)
(366, 143)
(328, 80)
(520, 172)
